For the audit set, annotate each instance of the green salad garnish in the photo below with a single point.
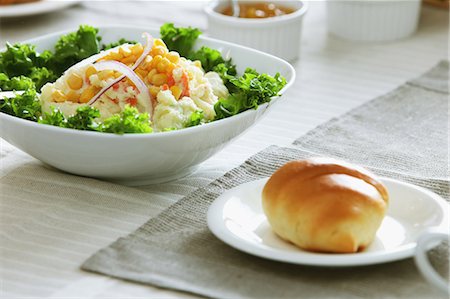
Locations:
(25, 106)
(118, 43)
(181, 40)
(247, 92)
(128, 121)
(22, 68)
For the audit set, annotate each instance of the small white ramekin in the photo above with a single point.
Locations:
(373, 20)
(279, 36)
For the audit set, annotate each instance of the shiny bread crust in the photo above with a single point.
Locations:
(326, 205)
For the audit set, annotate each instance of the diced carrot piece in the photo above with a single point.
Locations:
(132, 101)
(185, 81)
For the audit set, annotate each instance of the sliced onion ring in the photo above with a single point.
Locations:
(126, 72)
(148, 47)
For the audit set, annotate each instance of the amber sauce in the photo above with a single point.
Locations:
(259, 10)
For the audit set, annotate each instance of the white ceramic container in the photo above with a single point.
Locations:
(279, 36)
(373, 20)
(137, 159)
(424, 243)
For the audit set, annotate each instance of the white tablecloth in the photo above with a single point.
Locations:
(44, 239)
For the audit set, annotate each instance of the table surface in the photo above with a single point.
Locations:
(44, 239)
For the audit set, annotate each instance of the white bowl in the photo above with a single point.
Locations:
(136, 159)
(279, 36)
(373, 20)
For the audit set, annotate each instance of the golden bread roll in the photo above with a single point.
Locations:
(326, 205)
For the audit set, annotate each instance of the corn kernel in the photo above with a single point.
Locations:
(156, 59)
(176, 91)
(151, 74)
(159, 42)
(147, 64)
(159, 50)
(90, 71)
(170, 68)
(154, 90)
(173, 57)
(159, 79)
(197, 63)
(162, 66)
(88, 94)
(141, 73)
(124, 51)
(75, 81)
(105, 74)
(73, 96)
(115, 56)
(58, 96)
(137, 49)
(129, 59)
(148, 59)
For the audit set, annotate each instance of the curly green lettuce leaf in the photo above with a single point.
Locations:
(15, 83)
(40, 76)
(169, 129)
(74, 47)
(87, 118)
(226, 72)
(247, 92)
(118, 43)
(26, 105)
(84, 119)
(55, 118)
(180, 39)
(129, 121)
(19, 59)
(211, 59)
(195, 119)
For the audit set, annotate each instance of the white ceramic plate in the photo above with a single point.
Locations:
(237, 218)
(34, 8)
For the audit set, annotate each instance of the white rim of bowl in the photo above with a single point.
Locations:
(210, 11)
(154, 134)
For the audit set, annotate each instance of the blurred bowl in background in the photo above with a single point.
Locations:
(373, 20)
(278, 35)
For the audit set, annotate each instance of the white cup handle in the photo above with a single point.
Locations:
(427, 239)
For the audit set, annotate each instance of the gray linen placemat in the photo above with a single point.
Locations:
(176, 249)
(404, 131)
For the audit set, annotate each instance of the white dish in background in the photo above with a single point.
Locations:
(138, 159)
(373, 20)
(237, 218)
(279, 36)
(34, 8)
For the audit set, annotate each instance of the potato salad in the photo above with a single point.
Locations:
(160, 84)
(175, 86)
